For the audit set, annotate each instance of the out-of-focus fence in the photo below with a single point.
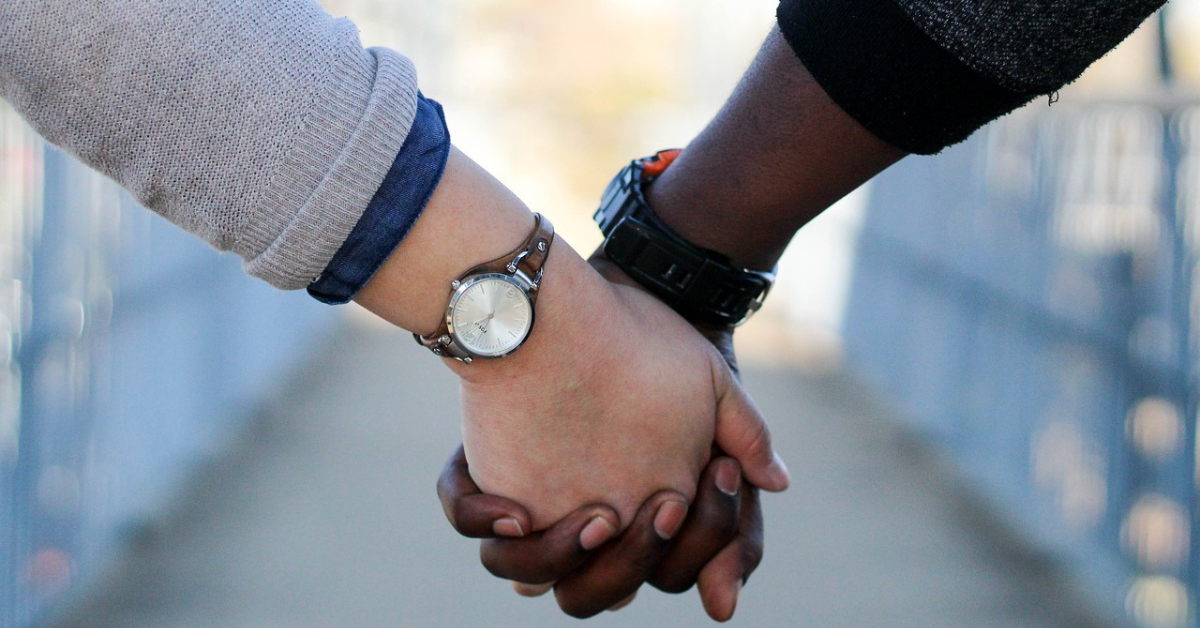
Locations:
(1031, 298)
(128, 351)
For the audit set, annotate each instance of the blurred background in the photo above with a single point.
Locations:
(981, 367)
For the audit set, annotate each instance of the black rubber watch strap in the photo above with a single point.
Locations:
(698, 283)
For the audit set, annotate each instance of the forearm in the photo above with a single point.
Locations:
(470, 218)
(777, 154)
(262, 127)
(841, 90)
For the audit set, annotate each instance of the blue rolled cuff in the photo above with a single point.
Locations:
(393, 210)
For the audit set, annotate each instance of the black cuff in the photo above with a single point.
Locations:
(889, 76)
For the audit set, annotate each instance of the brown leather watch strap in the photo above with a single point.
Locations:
(528, 258)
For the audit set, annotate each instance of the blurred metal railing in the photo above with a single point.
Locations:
(1029, 297)
(128, 351)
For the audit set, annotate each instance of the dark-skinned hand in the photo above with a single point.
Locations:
(716, 547)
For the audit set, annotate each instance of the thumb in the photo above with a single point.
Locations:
(742, 433)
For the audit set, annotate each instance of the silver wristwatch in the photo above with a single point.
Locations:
(491, 310)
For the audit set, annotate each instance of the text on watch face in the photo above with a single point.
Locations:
(491, 316)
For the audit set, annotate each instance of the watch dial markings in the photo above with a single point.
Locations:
(491, 316)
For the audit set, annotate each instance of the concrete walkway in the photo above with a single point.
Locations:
(325, 516)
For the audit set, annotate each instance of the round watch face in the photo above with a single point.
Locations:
(490, 315)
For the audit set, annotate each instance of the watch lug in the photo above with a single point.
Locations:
(508, 269)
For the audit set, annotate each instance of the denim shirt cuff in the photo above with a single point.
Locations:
(393, 209)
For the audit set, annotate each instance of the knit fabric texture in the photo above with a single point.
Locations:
(1033, 46)
(925, 74)
(263, 127)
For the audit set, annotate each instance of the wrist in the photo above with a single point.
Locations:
(471, 217)
(721, 336)
(699, 283)
(710, 221)
(570, 302)
(778, 153)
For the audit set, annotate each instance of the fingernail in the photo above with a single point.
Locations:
(532, 590)
(669, 519)
(729, 478)
(596, 533)
(737, 593)
(623, 603)
(778, 472)
(508, 527)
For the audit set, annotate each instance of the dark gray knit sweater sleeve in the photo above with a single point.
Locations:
(1034, 46)
(924, 74)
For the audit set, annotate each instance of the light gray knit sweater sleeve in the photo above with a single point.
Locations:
(262, 127)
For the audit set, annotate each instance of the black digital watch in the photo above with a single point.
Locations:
(698, 283)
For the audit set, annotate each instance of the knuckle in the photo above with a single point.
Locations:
(673, 583)
(752, 554)
(716, 520)
(760, 439)
(458, 514)
(577, 608)
(754, 444)
(495, 564)
(722, 525)
(492, 566)
(643, 564)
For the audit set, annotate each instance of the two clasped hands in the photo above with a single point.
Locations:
(616, 446)
(591, 447)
